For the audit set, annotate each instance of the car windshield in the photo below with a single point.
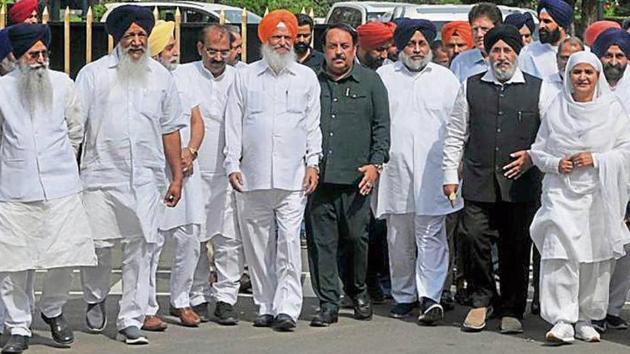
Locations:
(374, 16)
(234, 16)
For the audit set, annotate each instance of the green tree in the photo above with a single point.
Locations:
(320, 7)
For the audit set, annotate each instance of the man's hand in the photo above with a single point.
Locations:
(311, 179)
(516, 168)
(236, 180)
(173, 194)
(450, 190)
(187, 162)
(565, 166)
(370, 174)
(582, 159)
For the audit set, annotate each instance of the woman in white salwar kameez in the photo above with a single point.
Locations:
(583, 146)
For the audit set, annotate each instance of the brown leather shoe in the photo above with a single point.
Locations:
(186, 315)
(154, 324)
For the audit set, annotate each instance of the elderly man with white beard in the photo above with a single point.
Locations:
(421, 96)
(182, 223)
(43, 224)
(273, 146)
(132, 121)
(493, 123)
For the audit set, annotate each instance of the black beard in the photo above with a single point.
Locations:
(613, 73)
(549, 37)
(373, 63)
(301, 48)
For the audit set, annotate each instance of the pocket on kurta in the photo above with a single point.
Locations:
(151, 104)
(12, 177)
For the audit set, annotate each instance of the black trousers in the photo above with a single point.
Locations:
(455, 263)
(508, 225)
(337, 219)
(378, 254)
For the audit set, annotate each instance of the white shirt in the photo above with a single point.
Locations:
(538, 59)
(622, 89)
(212, 93)
(458, 124)
(419, 104)
(549, 90)
(123, 154)
(37, 159)
(272, 126)
(468, 63)
(240, 65)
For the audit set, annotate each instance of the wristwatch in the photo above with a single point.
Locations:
(193, 151)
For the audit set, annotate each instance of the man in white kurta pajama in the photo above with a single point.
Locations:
(421, 96)
(133, 121)
(212, 76)
(43, 223)
(183, 222)
(273, 144)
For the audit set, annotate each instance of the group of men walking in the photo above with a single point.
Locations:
(229, 160)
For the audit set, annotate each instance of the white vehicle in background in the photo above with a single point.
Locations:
(442, 14)
(192, 11)
(356, 13)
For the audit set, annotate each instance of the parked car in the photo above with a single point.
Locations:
(356, 13)
(441, 14)
(192, 11)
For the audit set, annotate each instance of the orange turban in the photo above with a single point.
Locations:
(374, 34)
(596, 28)
(460, 29)
(273, 20)
(22, 10)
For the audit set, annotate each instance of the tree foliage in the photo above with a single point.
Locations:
(320, 7)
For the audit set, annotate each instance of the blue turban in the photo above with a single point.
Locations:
(519, 20)
(610, 37)
(24, 35)
(5, 44)
(560, 11)
(121, 18)
(407, 27)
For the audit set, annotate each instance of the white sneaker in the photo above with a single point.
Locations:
(561, 333)
(585, 331)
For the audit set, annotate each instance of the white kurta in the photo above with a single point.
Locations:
(420, 104)
(549, 89)
(42, 220)
(215, 188)
(123, 163)
(538, 59)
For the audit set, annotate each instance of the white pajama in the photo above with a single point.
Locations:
(619, 285)
(16, 293)
(572, 291)
(418, 256)
(201, 290)
(186, 256)
(229, 262)
(270, 222)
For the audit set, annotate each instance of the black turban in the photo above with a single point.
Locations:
(507, 33)
(519, 20)
(559, 10)
(610, 37)
(24, 35)
(407, 27)
(5, 44)
(121, 18)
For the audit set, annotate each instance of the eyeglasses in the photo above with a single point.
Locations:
(35, 55)
(213, 52)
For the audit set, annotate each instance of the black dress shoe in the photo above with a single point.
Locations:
(263, 321)
(15, 345)
(325, 318)
(202, 311)
(225, 314)
(59, 329)
(283, 323)
(362, 308)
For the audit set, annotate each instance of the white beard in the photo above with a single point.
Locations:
(503, 75)
(132, 71)
(6, 66)
(276, 61)
(35, 87)
(169, 65)
(414, 64)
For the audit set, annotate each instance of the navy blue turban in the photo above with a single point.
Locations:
(407, 27)
(610, 37)
(519, 20)
(24, 35)
(507, 33)
(121, 18)
(5, 44)
(560, 11)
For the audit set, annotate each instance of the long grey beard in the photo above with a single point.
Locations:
(132, 71)
(503, 75)
(414, 64)
(169, 65)
(35, 87)
(276, 61)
